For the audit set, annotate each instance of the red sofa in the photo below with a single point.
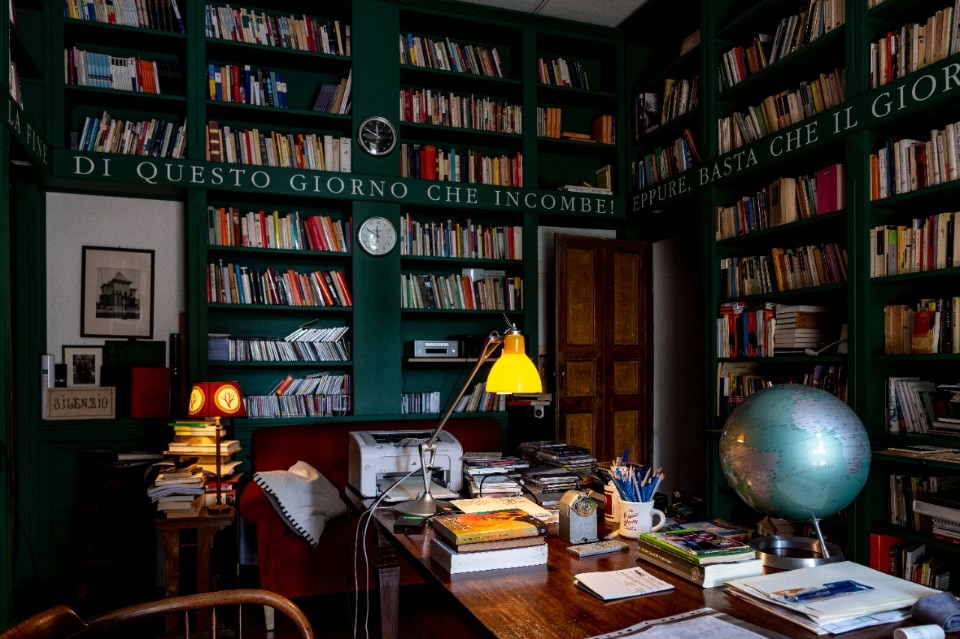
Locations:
(288, 565)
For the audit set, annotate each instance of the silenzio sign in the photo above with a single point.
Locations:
(158, 172)
(859, 112)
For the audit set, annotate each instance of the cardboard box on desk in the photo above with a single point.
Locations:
(142, 391)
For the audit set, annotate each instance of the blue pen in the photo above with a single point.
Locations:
(626, 455)
(831, 589)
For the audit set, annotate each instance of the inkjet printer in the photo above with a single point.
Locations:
(379, 458)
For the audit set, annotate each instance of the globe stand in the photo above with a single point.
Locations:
(785, 552)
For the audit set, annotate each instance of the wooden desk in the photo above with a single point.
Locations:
(206, 526)
(541, 602)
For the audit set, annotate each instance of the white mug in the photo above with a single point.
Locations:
(637, 517)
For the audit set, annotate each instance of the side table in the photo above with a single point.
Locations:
(205, 525)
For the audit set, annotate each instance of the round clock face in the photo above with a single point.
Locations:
(376, 135)
(377, 235)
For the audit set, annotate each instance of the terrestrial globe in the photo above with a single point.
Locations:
(795, 452)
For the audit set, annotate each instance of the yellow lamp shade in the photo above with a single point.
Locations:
(513, 372)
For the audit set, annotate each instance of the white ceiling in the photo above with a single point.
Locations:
(608, 13)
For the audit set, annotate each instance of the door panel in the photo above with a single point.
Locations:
(603, 346)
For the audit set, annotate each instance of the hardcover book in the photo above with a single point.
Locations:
(699, 545)
(456, 562)
(466, 528)
(704, 575)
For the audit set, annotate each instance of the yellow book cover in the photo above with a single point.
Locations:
(466, 528)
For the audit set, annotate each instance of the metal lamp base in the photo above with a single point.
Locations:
(423, 506)
(787, 552)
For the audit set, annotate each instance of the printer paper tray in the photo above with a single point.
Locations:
(410, 488)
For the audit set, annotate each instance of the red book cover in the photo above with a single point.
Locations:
(428, 162)
(828, 189)
(880, 546)
(342, 281)
(149, 391)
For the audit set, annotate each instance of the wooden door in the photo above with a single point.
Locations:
(602, 337)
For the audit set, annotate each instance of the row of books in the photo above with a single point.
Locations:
(460, 240)
(914, 46)
(903, 165)
(321, 345)
(780, 110)
(490, 292)
(445, 108)
(478, 399)
(737, 381)
(238, 84)
(784, 269)
(104, 71)
(153, 137)
(911, 404)
(604, 129)
(928, 327)
(235, 284)
(785, 200)
(304, 33)
(550, 125)
(319, 152)
(422, 51)
(914, 499)
(416, 403)
(664, 162)
(163, 15)
(562, 73)
(763, 330)
(273, 406)
(428, 162)
(908, 560)
(793, 32)
(334, 97)
(229, 226)
(926, 244)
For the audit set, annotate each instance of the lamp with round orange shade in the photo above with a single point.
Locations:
(215, 400)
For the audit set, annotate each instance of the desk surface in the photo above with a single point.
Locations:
(541, 602)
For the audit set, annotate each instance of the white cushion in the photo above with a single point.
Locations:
(303, 497)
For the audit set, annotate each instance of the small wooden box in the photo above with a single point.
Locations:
(95, 402)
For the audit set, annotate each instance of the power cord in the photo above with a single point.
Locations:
(361, 548)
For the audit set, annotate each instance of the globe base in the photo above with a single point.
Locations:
(788, 553)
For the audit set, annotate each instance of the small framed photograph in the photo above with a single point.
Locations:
(117, 295)
(83, 365)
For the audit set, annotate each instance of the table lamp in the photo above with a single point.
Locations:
(513, 372)
(215, 400)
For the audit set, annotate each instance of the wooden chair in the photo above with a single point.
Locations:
(194, 611)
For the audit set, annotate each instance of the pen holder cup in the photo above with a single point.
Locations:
(638, 517)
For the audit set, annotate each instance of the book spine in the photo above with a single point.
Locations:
(672, 563)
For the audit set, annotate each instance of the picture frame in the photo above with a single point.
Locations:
(117, 294)
(83, 365)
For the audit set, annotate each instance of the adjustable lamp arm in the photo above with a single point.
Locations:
(494, 340)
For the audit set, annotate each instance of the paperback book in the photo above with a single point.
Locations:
(699, 545)
(459, 529)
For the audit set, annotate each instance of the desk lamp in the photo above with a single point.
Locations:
(513, 372)
(215, 400)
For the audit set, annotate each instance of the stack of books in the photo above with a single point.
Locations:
(197, 439)
(706, 553)
(472, 542)
(177, 490)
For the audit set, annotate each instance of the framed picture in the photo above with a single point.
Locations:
(83, 365)
(117, 296)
